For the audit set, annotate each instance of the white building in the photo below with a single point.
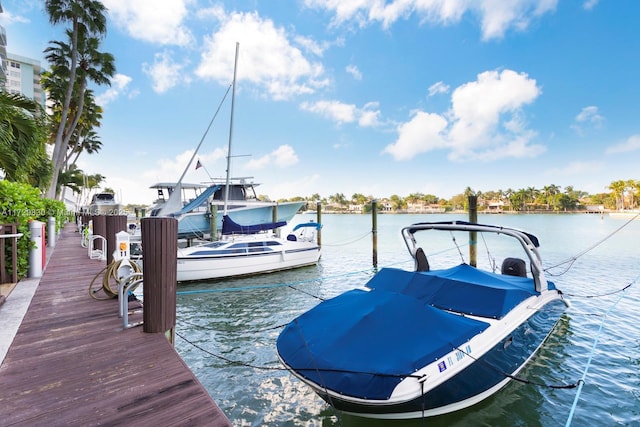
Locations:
(23, 76)
(3, 51)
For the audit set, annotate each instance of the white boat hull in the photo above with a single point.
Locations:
(245, 262)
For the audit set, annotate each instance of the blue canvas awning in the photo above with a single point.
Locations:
(198, 201)
(231, 227)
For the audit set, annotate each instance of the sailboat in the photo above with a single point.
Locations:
(247, 249)
(198, 212)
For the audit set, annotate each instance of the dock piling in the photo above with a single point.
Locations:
(159, 257)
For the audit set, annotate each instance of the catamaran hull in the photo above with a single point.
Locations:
(474, 383)
(203, 268)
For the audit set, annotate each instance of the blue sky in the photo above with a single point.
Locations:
(374, 97)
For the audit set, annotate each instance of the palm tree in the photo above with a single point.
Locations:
(553, 190)
(531, 193)
(22, 139)
(87, 19)
(85, 139)
(618, 187)
(631, 188)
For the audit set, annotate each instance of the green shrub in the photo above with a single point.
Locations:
(20, 204)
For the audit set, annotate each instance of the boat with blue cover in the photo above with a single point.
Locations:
(425, 342)
(198, 206)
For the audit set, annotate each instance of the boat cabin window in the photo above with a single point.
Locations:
(236, 192)
(103, 197)
(215, 244)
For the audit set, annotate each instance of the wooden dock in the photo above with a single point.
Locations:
(71, 363)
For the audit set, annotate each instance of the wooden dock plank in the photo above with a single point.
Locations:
(71, 363)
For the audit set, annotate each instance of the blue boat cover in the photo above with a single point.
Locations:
(198, 201)
(363, 343)
(463, 289)
(229, 226)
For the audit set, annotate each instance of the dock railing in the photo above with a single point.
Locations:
(9, 238)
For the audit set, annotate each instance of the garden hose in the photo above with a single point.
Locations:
(109, 272)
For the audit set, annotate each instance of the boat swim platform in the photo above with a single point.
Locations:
(72, 363)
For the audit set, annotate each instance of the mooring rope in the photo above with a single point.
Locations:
(583, 379)
(574, 258)
(277, 368)
(275, 285)
(349, 242)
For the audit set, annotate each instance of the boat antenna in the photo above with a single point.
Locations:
(233, 101)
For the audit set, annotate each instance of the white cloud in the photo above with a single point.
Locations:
(119, 86)
(267, 58)
(631, 144)
(7, 18)
(485, 122)
(438, 88)
(369, 115)
(341, 112)
(146, 20)
(334, 110)
(424, 132)
(282, 156)
(165, 72)
(587, 116)
(496, 16)
(576, 168)
(310, 45)
(589, 4)
(353, 70)
(485, 114)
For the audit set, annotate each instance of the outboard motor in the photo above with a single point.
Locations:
(514, 267)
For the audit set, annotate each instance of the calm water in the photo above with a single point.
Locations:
(239, 321)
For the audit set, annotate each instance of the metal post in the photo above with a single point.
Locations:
(319, 221)
(374, 231)
(473, 235)
(274, 218)
(213, 225)
(36, 254)
(51, 232)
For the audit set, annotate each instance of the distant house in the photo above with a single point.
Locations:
(420, 207)
(595, 208)
(495, 206)
(386, 205)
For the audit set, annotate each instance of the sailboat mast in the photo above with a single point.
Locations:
(233, 101)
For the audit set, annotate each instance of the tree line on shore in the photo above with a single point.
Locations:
(622, 194)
